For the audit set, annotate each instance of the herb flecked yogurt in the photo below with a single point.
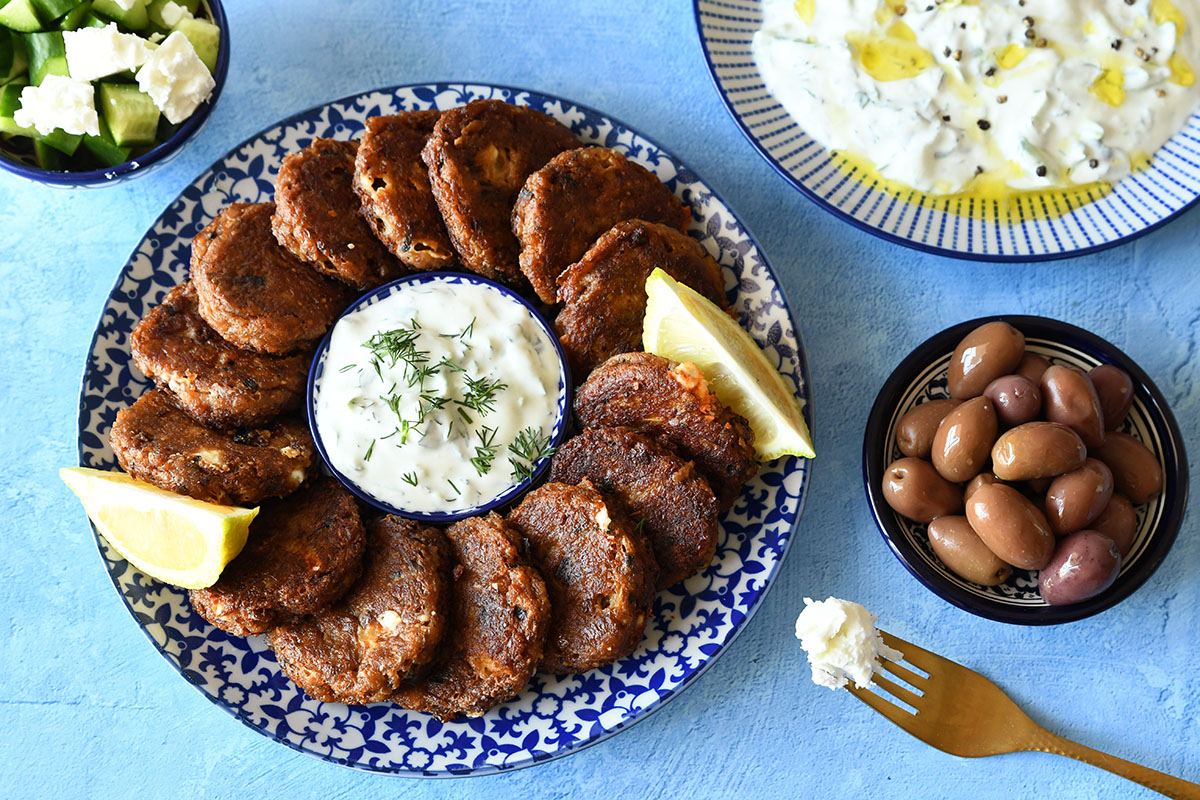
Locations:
(440, 396)
(985, 96)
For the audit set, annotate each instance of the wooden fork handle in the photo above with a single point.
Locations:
(1150, 778)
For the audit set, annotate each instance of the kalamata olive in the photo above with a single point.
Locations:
(964, 440)
(1136, 472)
(1077, 498)
(913, 488)
(1032, 367)
(991, 350)
(1114, 387)
(1037, 450)
(1011, 526)
(1016, 399)
(1118, 522)
(1084, 565)
(964, 553)
(1069, 398)
(982, 479)
(915, 431)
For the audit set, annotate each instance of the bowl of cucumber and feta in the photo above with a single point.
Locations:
(96, 91)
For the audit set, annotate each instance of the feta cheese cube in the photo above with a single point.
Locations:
(173, 14)
(59, 102)
(175, 78)
(99, 52)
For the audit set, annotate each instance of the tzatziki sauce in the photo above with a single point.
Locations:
(440, 396)
(943, 94)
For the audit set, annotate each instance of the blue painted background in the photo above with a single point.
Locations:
(88, 709)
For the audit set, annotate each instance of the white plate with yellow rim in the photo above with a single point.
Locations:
(1034, 229)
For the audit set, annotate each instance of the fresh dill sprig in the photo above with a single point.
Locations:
(452, 486)
(370, 450)
(395, 346)
(462, 335)
(481, 394)
(528, 448)
(347, 368)
(485, 451)
(410, 478)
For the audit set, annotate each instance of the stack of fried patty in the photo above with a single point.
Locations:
(362, 608)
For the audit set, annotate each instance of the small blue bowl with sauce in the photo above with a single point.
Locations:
(439, 396)
(922, 376)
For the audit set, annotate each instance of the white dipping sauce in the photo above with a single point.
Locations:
(1037, 93)
(434, 424)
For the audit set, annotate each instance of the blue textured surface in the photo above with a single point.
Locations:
(90, 709)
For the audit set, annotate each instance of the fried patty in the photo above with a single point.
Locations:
(155, 440)
(385, 631)
(302, 554)
(604, 293)
(317, 216)
(220, 385)
(672, 402)
(500, 614)
(392, 183)
(663, 495)
(578, 195)
(599, 572)
(253, 292)
(479, 156)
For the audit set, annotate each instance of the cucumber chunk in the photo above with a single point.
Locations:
(62, 141)
(92, 20)
(13, 58)
(105, 150)
(130, 114)
(53, 9)
(47, 156)
(73, 19)
(10, 101)
(47, 55)
(135, 19)
(20, 15)
(205, 38)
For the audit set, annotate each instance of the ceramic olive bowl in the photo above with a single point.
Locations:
(922, 376)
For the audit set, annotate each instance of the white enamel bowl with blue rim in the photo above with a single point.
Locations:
(558, 432)
(1136, 205)
(922, 376)
(694, 622)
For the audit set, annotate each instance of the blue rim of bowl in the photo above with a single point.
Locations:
(1159, 415)
(769, 581)
(891, 237)
(99, 177)
(561, 423)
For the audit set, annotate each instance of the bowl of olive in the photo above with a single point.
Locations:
(1025, 470)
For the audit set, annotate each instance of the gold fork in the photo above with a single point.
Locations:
(963, 713)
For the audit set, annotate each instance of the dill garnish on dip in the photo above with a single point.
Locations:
(440, 396)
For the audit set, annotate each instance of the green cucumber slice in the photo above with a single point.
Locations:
(130, 114)
(20, 15)
(106, 151)
(48, 157)
(205, 38)
(135, 19)
(90, 20)
(47, 55)
(53, 9)
(13, 58)
(10, 101)
(73, 20)
(63, 142)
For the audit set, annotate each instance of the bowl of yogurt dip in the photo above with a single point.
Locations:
(993, 130)
(439, 396)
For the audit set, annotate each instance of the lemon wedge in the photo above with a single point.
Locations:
(683, 325)
(172, 538)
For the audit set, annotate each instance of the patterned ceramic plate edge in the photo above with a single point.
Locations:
(554, 716)
(1017, 599)
(1138, 205)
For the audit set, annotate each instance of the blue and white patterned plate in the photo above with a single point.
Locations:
(693, 622)
(1135, 206)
